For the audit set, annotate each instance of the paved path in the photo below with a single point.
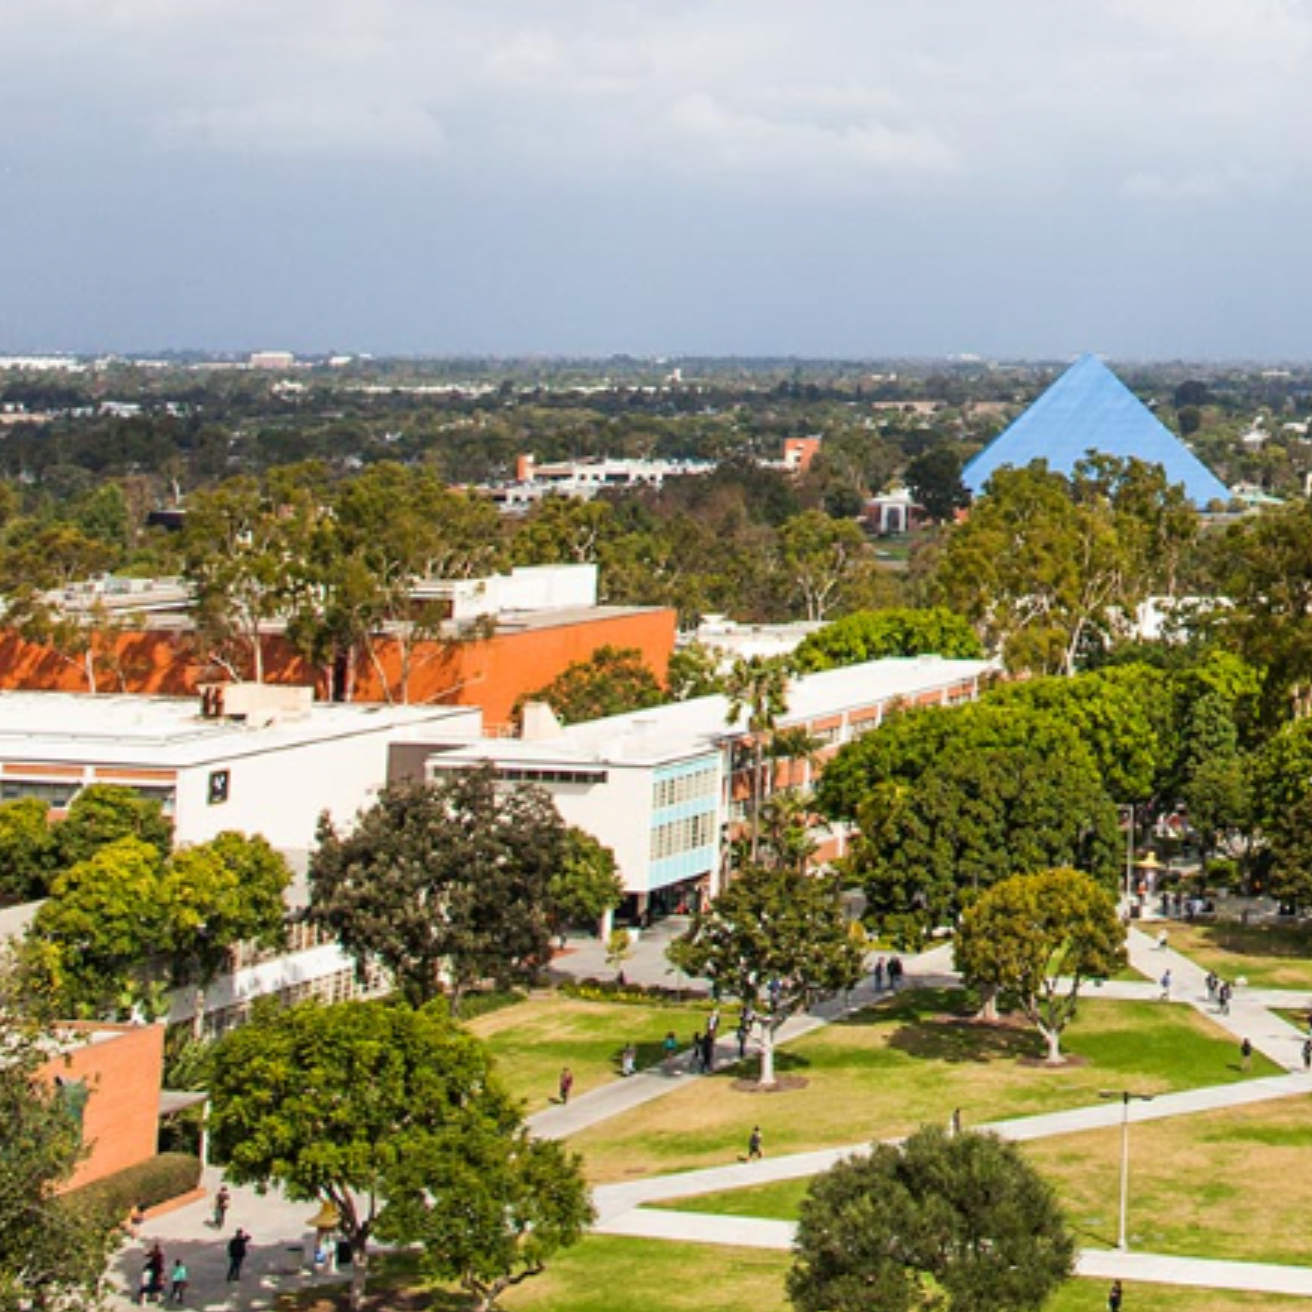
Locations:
(283, 1242)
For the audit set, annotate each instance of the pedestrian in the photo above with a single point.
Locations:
(954, 1123)
(1166, 987)
(145, 1286)
(566, 1084)
(713, 1023)
(222, 1200)
(1114, 1297)
(1307, 1054)
(754, 1153)
(879, 975)
(698, 1052)
(1211, 981)
(1223, 996)
(744, 1033)
(238, 1247)
(627, 1059)
(178, 1282)
(1246, 1055)
(155, 1269)
(708, 1052)
(894, 974)
(669, 1045)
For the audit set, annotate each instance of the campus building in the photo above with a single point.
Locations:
(666, 788)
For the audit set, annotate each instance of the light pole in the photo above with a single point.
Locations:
(1125, 1095)
(1129, 857)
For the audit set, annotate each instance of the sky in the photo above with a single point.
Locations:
(820, 178)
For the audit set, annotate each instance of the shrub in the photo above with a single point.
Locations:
(599, 990)
(155, 1181)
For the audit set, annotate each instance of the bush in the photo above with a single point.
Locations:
(599, 990)
(161, 1178)
(481, 1004)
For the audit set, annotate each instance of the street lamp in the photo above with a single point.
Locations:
(1129, 858)
(1122, 1241)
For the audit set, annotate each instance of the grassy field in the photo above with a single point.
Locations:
(893, 1068)
(534, 1039)
(1228, 1184)
(1201, 1186)
(639, 1275)
(1268, 956)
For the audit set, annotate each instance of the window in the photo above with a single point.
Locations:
(219, 781)
(56, 795)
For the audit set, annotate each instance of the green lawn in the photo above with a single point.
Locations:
(903, 1064)
(1269, 956)
(605, 1274)
(1202, 1186)
(534, 1039)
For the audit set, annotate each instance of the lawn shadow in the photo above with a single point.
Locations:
(959, 1039)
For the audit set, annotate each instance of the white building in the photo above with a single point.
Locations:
(664, 787)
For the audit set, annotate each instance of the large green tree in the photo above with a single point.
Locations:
(392, 1116)
(586, 884)
(955, 1224)
(103, 813)
(1039, 938)
(612, 681)
(28, 853)
(869, 635)
(445, 884)
(778, 940)
(757, 692)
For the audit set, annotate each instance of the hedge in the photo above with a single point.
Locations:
(148, 1183)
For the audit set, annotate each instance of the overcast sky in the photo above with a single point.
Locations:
(809, 177)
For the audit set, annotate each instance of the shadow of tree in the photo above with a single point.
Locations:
(960, 1039)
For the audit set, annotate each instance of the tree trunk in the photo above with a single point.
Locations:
(359, 1270)
(988, 1002)
(1053, 1039)
(198, 1015)
(767, 1077)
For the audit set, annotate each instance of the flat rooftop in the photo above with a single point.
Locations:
(78, 729)
(699, 726)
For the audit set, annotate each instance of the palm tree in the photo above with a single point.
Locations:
(757, 685)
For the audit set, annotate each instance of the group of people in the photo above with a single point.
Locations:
(1219, 991)
(703, 1044)
(890, 970)
(151, 1287)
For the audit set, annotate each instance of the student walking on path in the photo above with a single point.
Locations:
(566, 1085)
(754, 1153)
(238, 1247)
(1246, 1055)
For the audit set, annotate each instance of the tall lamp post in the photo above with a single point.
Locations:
(1129, 857)
(1126, 1096)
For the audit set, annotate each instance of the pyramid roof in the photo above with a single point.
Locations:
(1089, 409)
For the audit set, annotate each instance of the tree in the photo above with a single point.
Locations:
(822, 557)
(1039, 937)
(693, 671)
(497, 1209)
(619, 948)
(962, 1224)
(870, 635)
(445, 883)
(757, 686)
(777, 940)
(53, 1249)
(612, 681)
(391, 1116)
(1291, 854)
(934, 478)
(103, 813)
(587, 883)
(28, 855)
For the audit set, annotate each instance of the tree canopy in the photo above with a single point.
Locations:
(397, 1119)
(445, 884)
(961, 1223)
(612, 681)
(869, 635)
(1039, 937)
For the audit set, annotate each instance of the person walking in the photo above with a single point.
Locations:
(1246, 1055)
(879, 975)
(894, 974)
(1223, 996)
(566, 1085)
(1166, 987)
(178, 1281)
(155, 1272)
(669, 1045)
(238, 1246)
(1211, 981)
(708, 1051)
(1114, 1296)
(222, 1200)
(754, 1153)
(628, 1059)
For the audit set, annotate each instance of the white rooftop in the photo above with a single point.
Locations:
(691, 728)
(75, 728)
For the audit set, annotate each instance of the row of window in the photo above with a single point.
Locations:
(343, 986)
(685, 835)
(522, 775)
(59, 794)
(685, 787)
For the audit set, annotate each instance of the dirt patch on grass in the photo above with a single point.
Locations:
(1070, 1061)
(784, 1084)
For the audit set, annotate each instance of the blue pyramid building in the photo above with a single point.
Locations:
(1089, 409)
